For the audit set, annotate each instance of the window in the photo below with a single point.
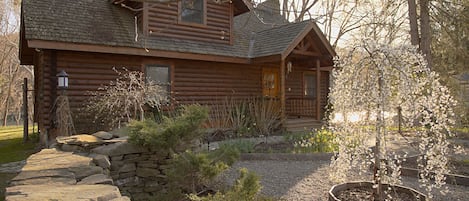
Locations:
(309, 85)
(160, 75)
(192, 11)
(270, 82)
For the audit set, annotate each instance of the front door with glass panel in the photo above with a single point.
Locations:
(270, 82)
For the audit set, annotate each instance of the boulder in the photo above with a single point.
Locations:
(103, 135)
(96, 179)
(49, 159)
(130, 181)
(44, 180)
(71, 148)
(62, 192)
(126, 175)
(102, 161)
(119, 148)
(83, 140)
(85, 171)
(34, 174)
(147, 172)
(128, 167)
(123, 198)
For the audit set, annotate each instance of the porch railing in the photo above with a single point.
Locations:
(301, 107)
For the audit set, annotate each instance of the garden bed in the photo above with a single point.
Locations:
(363, 191)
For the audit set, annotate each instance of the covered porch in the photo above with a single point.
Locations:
(300, 78)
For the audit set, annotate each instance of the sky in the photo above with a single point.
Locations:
(9, 21)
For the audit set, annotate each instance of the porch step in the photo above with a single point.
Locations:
(302, 124)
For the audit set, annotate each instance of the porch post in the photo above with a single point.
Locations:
(282, 90)
(318, 89)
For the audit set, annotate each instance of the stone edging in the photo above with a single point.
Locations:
(286, 156)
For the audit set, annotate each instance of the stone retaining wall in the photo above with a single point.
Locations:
(79, 163)
(138, 172)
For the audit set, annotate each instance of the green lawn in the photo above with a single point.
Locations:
(12, 149)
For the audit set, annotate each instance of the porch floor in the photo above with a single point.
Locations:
(302, 124)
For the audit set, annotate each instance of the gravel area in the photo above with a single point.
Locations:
(308, 180)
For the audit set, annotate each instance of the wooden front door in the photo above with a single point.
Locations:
(270, 82)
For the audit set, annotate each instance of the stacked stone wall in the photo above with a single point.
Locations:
(138, 172)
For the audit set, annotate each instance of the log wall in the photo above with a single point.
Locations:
(162, 19)
(202, 82)
(86, 73)
(206, 83)
(192, 81)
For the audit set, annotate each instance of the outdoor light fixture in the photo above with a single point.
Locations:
(62, 79)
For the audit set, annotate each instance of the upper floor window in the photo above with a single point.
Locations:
(192, 11)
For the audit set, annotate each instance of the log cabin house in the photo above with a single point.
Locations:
(203, 48)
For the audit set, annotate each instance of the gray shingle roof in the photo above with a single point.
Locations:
(99, 22)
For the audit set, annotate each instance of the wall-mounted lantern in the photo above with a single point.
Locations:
(62, 79)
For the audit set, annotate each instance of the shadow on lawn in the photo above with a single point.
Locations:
(4, 179)
(13, 149)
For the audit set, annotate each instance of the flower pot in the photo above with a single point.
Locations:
(397, 191)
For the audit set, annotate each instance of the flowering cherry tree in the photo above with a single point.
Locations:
(378, 80)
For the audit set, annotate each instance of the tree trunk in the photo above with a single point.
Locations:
(425, 31)
(7, 105)
(380, 124)
(414, 29)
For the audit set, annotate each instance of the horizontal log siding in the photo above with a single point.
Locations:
(40, 103)
(87, 72)
(211, 83)
(163, 20)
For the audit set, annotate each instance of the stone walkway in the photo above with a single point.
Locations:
(57, 175)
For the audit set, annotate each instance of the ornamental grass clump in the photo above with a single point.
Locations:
(376, 81)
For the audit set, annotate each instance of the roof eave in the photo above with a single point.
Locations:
(44, 44)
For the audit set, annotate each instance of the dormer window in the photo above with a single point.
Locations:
(192, 11)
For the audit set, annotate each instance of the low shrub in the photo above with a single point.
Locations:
(190, 173)
(246, 188)
(172, 133)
